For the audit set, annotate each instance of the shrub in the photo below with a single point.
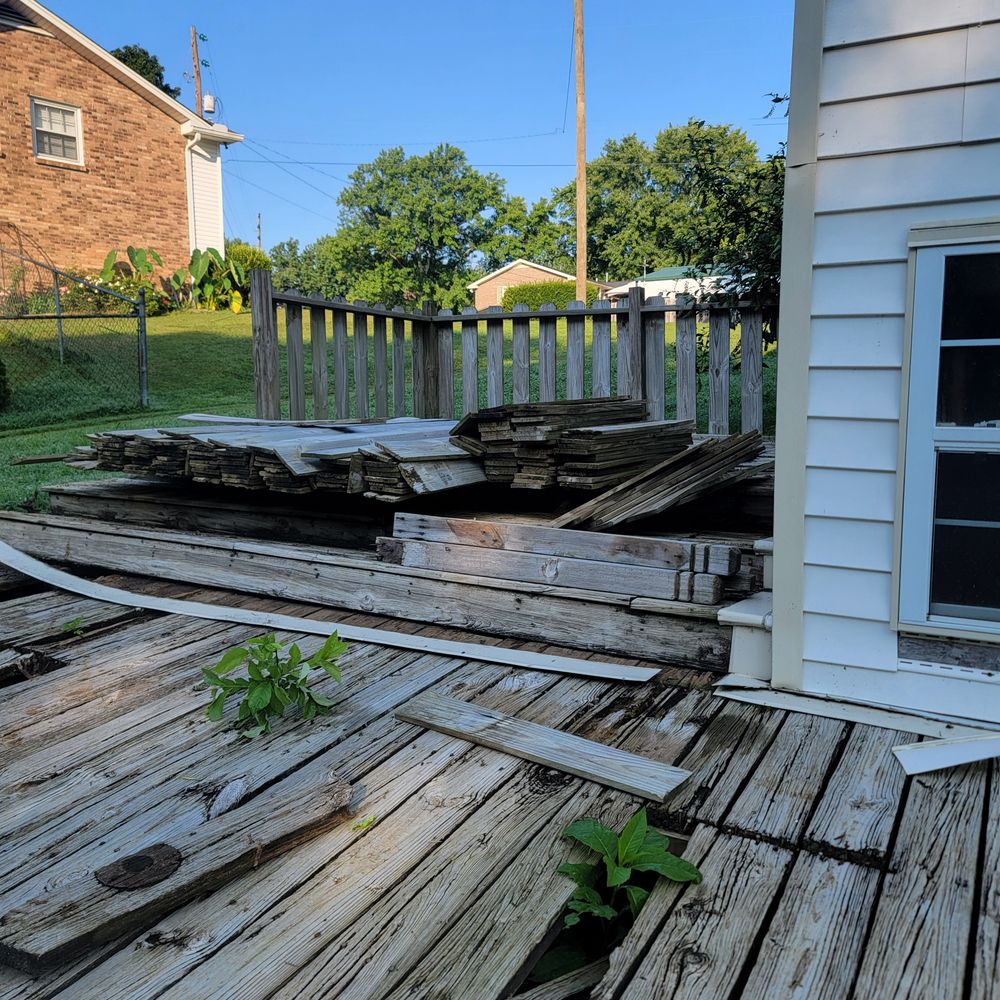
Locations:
(78, 298)
(213, 281)
(248, 258)
(557, 293)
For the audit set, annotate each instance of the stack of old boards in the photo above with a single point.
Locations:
(657, 568)
(584, 443)
(708, 465)
(388, 460)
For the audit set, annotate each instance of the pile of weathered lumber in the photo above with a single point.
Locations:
(708, 465)
(519, 443)
(387, 460)
(594, 458)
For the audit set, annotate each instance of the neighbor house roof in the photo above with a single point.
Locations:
(21, 11)
(527, 263)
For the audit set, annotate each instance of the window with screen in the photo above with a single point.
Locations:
(56, 130)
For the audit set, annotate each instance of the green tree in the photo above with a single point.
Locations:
(146, 65)
(537, 233)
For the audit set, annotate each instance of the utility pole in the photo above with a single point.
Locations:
(196, 62)
(258, 231)
(581, 156)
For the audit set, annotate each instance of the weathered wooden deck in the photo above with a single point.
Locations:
(827, 872)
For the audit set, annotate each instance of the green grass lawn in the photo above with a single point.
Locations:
(202, 361)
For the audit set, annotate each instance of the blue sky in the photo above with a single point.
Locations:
(333, 82)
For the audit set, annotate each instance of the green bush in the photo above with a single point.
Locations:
(248, 258)
(78, 298)
(557, 293)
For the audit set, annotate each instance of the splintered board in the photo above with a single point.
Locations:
(542, 745)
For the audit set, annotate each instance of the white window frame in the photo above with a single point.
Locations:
(47, 157)
(921, 440)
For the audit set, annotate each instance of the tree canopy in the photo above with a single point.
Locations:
(146, 65)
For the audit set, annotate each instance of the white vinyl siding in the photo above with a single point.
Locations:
(908, 130)
(205, 197)
(57, 131)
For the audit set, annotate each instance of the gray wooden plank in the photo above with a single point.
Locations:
(340, 364)
(542, 745)
(778, 799)
(399, 365)
(470, 360)
(692, 941)
(751, 370)
(575, 329)
(380, 344)
(570, 985)
(654, 348)
(521, 359)
(547, 356)
(317, 341)
(630, 353)
(813, 944)
(435, 476)
(296, 362)
(494, 359)
(686, 360)
(986, 949)
(600, 346)
(446, 368)
(718, 371)
(264, 329)
(928, 897)
(360, 333)
(856, 812)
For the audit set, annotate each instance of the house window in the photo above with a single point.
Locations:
(57, 131)
(949, 571)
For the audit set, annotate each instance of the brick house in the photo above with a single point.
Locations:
(489, 289)
(92, 156)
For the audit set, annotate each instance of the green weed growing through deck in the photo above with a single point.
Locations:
(274, 681)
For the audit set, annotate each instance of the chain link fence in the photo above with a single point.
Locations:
(68, 348)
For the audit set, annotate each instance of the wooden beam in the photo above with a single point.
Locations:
(317, 341)
(542, 745)
(265, 346)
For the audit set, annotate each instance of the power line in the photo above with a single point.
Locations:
(277, 152)
(291, 173)
(420, 142)
(281, 197)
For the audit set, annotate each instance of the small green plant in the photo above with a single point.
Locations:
(214, 281)
(363, 824)
(73, 627)
(274, 681)
(610, 890)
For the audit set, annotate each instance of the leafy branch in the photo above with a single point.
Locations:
(274, 681)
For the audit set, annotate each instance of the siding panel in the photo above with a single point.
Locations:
(922, 61)
(868, 496)
(980, 119)
(847, 642)
(849, 593)
(852, 444)
(859, 289)
(983, 58)
(927, 175)
(206, 184)
(861, 20)
(865, 394)
(849, 544)
(869, 341)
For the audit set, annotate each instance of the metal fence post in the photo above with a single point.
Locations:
(143, 357)
(59, 326)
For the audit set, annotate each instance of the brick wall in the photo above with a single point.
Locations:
(132, 187)
(490, 292)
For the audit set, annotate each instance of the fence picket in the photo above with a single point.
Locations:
(381, 364)
(399, 363)
(265, 346)
(521, 357)
(470, 361)
(494, 359)
(630, 358)
(547, 356)
(296, 362)
(317, 340)
(340, 371)
(751, 370)
(361, 359)
(654, 348)
(600, 347)
(575, 326)
(446, 366)
(687, 366)
(718, 371)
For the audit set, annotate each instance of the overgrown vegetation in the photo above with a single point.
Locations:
(212, 281)
(558, 293)
(275, 679)
(610, 891)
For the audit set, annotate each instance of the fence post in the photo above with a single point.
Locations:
(470, 360)
(59, 326)
(687, 358)
(718, 371)
(575, 337)
(630, 353)
(265, 346)
(654, 357)
(296, 361)
(751, 370)
(446, 363)
(425, 365)
(143, 356)
(521, 357)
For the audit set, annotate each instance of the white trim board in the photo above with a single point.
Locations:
(935, 755)
(755, 692)
(38, 570)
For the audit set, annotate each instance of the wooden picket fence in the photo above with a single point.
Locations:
(394, 362)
